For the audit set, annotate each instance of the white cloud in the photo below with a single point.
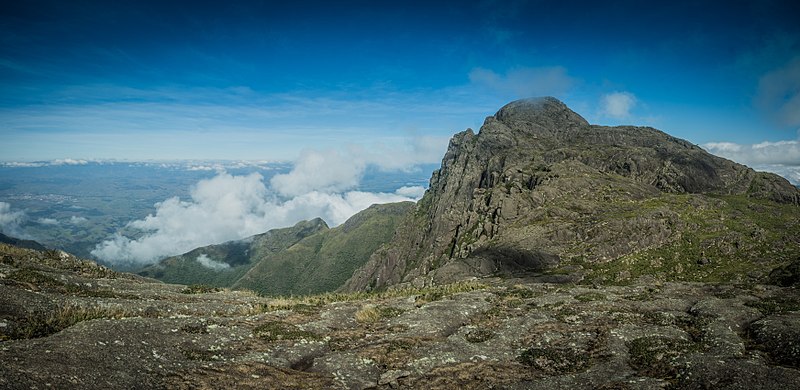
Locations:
(617, 105)
(68, 161)
(10, 220)
(764, 153)
(791, 173)
(415, 192)
(228, 207)
(328, 171)
(47, 221)
(333, 171)
(778, 94)
(19, 164)
(723, 147)
(781, 157)
(76, 220)
(524, 82)
(209, 263)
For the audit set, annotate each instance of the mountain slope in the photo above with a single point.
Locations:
(18, 242)
(324, 261)
(539, 189)
(227, 262)
(306, 258)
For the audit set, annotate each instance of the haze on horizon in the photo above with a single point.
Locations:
(340, 87)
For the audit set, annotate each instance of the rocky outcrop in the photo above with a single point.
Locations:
(539, 187)
(72, 324)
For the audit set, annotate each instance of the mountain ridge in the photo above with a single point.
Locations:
(306, 258)
(536, 160)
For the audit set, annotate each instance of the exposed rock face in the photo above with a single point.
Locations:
(72, 324)
(540, 187)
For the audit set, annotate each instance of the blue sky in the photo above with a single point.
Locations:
(266, 80)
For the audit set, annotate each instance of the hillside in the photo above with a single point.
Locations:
(324, 261)
(539, 190)
(306, 258)
(226, 263)
(29, 244)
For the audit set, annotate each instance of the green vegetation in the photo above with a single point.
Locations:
(39, 280)
(322, 262)
(238, 256)
(554, 360)
(277, 331)
(776, 305)
(310, 302)
(41, 325)
(590, 296)
(724, 239)
(654, 356)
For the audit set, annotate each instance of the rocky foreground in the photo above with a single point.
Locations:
(67, 323)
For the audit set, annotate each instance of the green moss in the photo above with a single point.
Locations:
(200, 355)
(554, 360)
(655, 356)
(36, 278)
(776, 305)
(276, 331)
(590, 296)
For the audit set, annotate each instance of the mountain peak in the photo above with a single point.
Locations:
(545, 111)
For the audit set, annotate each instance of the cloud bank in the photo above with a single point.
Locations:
(228, 207)
(781, 157)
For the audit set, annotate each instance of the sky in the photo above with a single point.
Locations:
(266, 80)
(340, 86)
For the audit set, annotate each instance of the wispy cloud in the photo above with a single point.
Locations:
(211, 264)
(523, 82)
(208, 123)
(617, 105)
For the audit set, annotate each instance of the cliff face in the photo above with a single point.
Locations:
(540, 188)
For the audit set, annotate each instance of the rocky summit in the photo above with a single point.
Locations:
(547, 253)
(540, 190)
